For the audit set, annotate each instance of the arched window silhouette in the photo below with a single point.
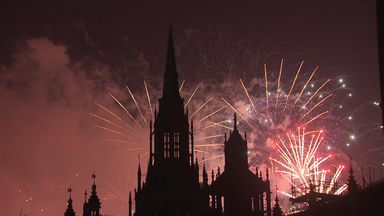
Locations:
(166, 145)
(176, 139)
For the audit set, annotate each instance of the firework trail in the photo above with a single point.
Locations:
(127, 121)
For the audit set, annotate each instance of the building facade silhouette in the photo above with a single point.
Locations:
(171, 186)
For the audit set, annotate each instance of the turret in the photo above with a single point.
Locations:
(94, 203)
(139, 177)
(130, 205)
(85, 205)
(236, 151)
(69, 211)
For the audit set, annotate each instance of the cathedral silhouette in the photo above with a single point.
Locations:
(172, 186)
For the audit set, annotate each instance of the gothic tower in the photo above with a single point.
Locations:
(238, 191)
(172, 183)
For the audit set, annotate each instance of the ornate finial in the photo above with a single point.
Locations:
(267, 174)
(70, 191)
(234, 121)
(94, 177)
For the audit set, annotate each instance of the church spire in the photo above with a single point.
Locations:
(69, 211)
(171, 85)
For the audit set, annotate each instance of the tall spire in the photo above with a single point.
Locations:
(171, 85)
(130, 205)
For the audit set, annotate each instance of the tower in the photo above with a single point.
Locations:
(172, 182)
(243, 192)
(69, 211)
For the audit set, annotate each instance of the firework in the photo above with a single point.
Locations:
(301, 164)
(286, 99)
(281, 101)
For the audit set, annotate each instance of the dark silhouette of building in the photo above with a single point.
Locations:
(358, 201)
(380, 31)
(241, 191)
(172, 186)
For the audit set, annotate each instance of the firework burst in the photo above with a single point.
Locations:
(286, 99)
(277, 104)
(301, 162)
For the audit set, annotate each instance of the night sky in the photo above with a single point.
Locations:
(57, 58)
